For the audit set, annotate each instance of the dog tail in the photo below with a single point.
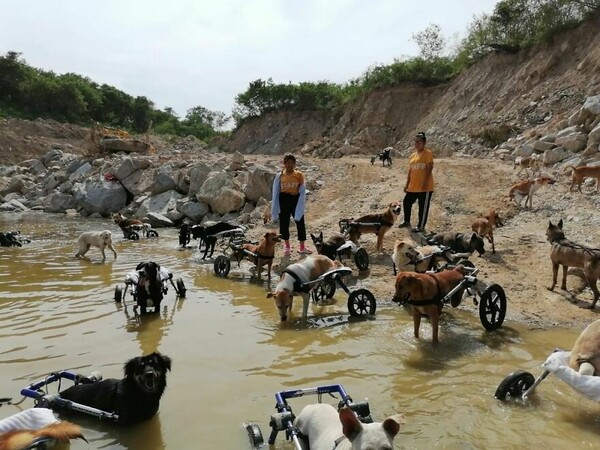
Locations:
(567, 168)
(60, 431)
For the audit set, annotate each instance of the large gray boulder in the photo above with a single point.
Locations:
(140, 181)
(164, 204)
(57, 202)
(555, 155)
(158, 220)
(128, 166)
(260, 184)
(198, 175)
(573, 142)
(102, 197)
(195, 211)
(163, 181)
(222, 193)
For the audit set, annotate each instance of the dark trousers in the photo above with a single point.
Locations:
(287, 205)
(424, 199)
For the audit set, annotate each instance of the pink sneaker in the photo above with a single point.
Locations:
(287, 251)
(305, 251)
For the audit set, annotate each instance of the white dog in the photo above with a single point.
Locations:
(409, 258)
(100, 239)
(326, 429)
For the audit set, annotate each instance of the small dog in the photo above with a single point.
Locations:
(585, 355)
(126, 224)
(329, 247)
(569, 254)
(207, 237)
(425, 292)
(308, 269)
(528, 162)
(410, 258)
(582, 172)
(100, 239)
(384, 156)
(261, 253)
(526, 188)
(484, 226)
(461, 243)
(326, 429)
(25, 438)
(134, 398)
(149, 292)
(12, 239)
(185, 235)
(378, 224)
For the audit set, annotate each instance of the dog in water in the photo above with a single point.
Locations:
(260, 254)
(580, 173)
(585, 355)
(149, 291)
(326, 429)
(100, 239)
(378, 224)
(134, 398)
(207, 235)
(12, 239)
(128, 225)
(567, 254)
(484, 226)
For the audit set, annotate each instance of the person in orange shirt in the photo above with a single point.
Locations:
(419, 183)
(289, 199)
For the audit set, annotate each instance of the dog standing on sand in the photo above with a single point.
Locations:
(526, 188)
(484, 226)
(378, 224)
(528, 162)
(582, 172)
(100, 239)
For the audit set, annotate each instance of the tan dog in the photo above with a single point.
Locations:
(378, 224)
(585, 356)
(21, 439)
(424, 292)
(308, 269)
(100, 239)
(484, 226)
(408, 257)
(569, 254)
(528, 162)
(261, 253)
(582, 172)
(526, 188)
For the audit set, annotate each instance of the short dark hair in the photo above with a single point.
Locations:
(421, 135)
(289, 157)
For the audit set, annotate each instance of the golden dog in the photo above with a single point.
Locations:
(378, 224)
(585, 356)
(582, 172)
(424, 292)
(261, 253)
(526, 188)
(484, 226)
(20, 439)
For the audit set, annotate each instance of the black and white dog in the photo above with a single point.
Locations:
(384, 156)
(149, 290)
(134, 398)
(12, 239)
(207, 235)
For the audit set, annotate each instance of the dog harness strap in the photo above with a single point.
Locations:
(298, 284)
(383, 222)
(265, 256)
(338, 441)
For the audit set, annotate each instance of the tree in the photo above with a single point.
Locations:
(431, 42)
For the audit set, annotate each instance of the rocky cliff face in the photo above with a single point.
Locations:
(500, 96)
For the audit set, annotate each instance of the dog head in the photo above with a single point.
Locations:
(542, 181)
(106, 237)
(118, 218)
(283, 301)
(404, 253)
(493, 218)
(149, 276)
(406, 285)
(475, 243)
(555, 232)
(396, 208)
(318, 241)
(271, 238)
(377, 435)
(148, 373)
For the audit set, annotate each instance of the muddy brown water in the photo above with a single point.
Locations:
(230, 354)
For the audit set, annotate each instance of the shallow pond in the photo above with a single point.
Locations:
(230, 354)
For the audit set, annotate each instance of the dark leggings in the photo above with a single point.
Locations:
(287, 205)
(424, 199)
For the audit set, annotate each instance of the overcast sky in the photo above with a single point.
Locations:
(185, 53)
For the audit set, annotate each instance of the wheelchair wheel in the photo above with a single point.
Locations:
(514, 385)
(255, 435)
(152, 234)
(492, 307)
(466, 263)
(325, 290)
(118, 294)
(361, 258)
(181, 290)
(361, 302)
(222, 266)
(133, 236)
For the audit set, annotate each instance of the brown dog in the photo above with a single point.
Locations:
(484, 226)
(261, 253)
(378, 224)
(424, 292)
(528, 162)
(20, 439)
(569, 254)
(585, 356)
(526, 188)
(582, 172)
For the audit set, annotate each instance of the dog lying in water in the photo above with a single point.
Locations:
(134, 398)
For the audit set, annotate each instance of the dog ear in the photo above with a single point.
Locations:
(560, 224)
(129, 367)
(351, 426)
(140, 265)
(165, 361)
(391, 425)
(271, 295)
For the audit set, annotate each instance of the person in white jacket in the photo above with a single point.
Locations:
(289, 199)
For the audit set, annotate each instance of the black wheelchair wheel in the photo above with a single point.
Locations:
(361, 302)
(133, 236)
(255, 435)
(325, 290)
(181, 290)
(465, 263)
(361, 258)
(492, 307)
(222, 266)
(118, 294)
(514, 385)
(152, 234)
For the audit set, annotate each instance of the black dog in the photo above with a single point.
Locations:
(12, 239)
(184, 235)
(329, 247)
(207, 237)
(384, 156)
(149, 291)
(134, 398)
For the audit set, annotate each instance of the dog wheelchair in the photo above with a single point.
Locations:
(141, 298)
(134, 232)
(441, 259)
(232, 243)
(384, 156)
(283, 419)
(520, 384)
(348, 249)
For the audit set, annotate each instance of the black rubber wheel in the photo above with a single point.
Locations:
(466, 263)
(514, 385)
(118, 294)
(255, 435)
(361, 258)
(222, 266)
(361, 302)
(181, 290)
(325, 290)
(133, 236)
(152, 234)
(492, 307)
